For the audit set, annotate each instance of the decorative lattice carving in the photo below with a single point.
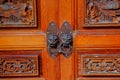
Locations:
(19, 65)
(101, 65)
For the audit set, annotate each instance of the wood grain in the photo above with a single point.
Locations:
(21, 42)
(53, 64)
(66, 13)
(97, 41)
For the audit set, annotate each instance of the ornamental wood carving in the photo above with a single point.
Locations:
(97, 65)
(102, 11)
(17, 13)
(19, 65)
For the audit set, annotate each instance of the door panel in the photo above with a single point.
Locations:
(66, 13)
(26, 42)
(97, 63)
(22, 41)
(101, 40)
(25, 64)
(19, 65)
(53, 64)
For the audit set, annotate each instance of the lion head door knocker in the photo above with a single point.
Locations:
(59, 42)
(52, 39)
(66, 39)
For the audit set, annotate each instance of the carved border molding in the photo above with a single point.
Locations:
(100, 65)
(19, 65)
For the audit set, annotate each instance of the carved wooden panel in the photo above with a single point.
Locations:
(18, 13)
(19, 65)
(100, 65)
(102, 12)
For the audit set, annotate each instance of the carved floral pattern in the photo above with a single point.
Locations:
(101, 65)
(18, 65)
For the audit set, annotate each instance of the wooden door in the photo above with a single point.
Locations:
(23, 53)
(21, 44)
(96, 41)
